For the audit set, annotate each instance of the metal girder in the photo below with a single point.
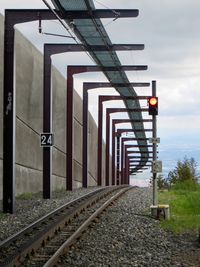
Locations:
(118, 134)
(92, 68)
(125, 130)
(140, 168)
(138, 152)
(99, 13)
(92, 85)
(100, 114)
(27, 14)
(133, 160)
(49, 50)
(102, 37)
(123, 140)
(142, 157)
(57, 48)
(72, 70)
(89, 86)
(132, 120)
(133, 146)
(12, 17)
(108, 112)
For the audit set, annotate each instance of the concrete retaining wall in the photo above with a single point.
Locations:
(29, 113)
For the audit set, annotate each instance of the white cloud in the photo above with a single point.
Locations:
(170, 32)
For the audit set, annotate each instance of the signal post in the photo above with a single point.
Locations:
(157, 210)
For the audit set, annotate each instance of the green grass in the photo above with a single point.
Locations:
(27, 196)
(184, 201)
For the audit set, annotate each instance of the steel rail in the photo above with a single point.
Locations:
(72, 239)
(46, 227)
(26, 229)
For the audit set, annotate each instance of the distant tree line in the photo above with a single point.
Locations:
(184, 171)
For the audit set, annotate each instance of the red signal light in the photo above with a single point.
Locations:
(153, 101)
(153, 105)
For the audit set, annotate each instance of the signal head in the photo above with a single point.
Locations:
(153, 105)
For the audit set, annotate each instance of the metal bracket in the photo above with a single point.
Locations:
(156, 166)
(154, 140)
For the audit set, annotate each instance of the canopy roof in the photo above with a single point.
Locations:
(91, 31)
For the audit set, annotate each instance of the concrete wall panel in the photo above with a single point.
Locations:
(29, 121)
(77, 184)
(28, 150)
(29, 83)
(59, 109)
(28, 180)
(78, 137)
(77, 172)
(78, 105)
(58, 163)
(58, 182)
(92, 148)
(103, 164)
(92, 181)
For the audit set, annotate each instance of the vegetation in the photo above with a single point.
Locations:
(183, 196)
(184, 201)
(3, 215)
(28, 196)
(184, 171)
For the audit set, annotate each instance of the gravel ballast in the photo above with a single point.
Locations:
(33, 208)
(124, 236)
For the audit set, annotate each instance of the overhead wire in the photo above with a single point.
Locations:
(60, 20)
(65, 27)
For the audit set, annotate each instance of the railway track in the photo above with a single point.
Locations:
(44, 241)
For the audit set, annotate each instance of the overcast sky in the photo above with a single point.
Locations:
(170, 32)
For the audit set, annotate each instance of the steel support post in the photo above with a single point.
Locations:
(100, 114)
(127, 170)
(71, 70)
(108, 112)
(124, 139)
(107, 158)
(95, 85)
(114, 134)
(118, 160)
(103, 98)
(154, 135)
(12, 17)
(113, 154)
(88, 86)
(120, 131)
(122, 162)
(49, 50)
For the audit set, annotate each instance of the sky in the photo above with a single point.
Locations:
(170, 32)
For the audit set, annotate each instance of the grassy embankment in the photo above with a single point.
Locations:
(184, 201)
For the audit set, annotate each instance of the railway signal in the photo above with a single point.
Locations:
(153, 105)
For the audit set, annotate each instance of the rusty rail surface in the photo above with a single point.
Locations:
(24, 245)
